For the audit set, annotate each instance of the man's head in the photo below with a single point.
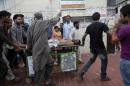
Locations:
(125, 13)
(76, 24)
(4, 16)
(22, 17)
(96, 16)
(38, 16)
(18, 19)
(68, 18)
(8, 24)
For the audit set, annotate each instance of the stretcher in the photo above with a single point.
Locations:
(66, 57)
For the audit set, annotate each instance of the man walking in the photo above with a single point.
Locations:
(95, 30)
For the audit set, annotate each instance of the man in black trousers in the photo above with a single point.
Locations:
(95, 30)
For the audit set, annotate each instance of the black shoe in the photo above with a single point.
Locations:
(106, 79)
(16, 80)
(81, 75)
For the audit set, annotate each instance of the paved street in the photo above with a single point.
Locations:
(92, 78)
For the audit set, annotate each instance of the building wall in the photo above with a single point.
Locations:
(28, 7)
(7, 5)
(51, 7)
(1, 4)
(93, 3)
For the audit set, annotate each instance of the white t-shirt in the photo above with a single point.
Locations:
(75, 34)
(67, 28)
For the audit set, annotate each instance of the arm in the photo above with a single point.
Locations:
(54, 20)
(83, 39)
(84, 36)
(29, 36)
(64, 32)
(114, 38)
(4, 38)
(71, 34)
(120, 35)
(106, 30)
(13, 35)
(24, 33)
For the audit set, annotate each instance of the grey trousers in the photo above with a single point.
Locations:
(43, 74)
(39, 76)
(104, 61)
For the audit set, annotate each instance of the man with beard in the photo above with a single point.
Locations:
(37, 42)
(67, 27)
(17, 34)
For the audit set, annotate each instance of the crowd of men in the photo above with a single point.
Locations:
(18, 37)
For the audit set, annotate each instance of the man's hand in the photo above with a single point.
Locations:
(22, 45)
(83, 39)
(16, 47)
(115, 39)
(118, 25)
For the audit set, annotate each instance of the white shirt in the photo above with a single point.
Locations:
(75, 34)
(67, 27)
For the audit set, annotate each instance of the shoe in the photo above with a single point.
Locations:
(16, 80)
(81, 76)
(50, 83)
(106, 79)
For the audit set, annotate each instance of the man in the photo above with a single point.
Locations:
(37, 42)
(25, 27)
(95, 30)
(4, 18)
(74, 32)
(75, 35)
(122, 35)
(67, 27)
(6, 48)
(17, 34)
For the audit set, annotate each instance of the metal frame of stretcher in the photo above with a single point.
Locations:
(57, 51)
